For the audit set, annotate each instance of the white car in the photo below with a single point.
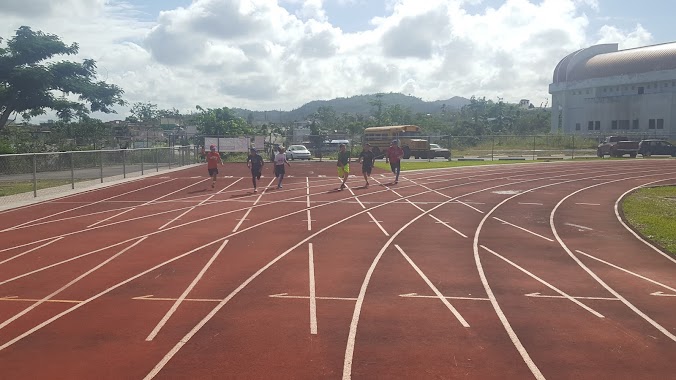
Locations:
(298, 152)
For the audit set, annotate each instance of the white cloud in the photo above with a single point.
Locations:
(259, 55)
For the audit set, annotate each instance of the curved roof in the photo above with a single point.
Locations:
(597, 62)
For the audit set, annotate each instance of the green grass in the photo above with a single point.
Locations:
(416, 165)
(652, 211)
(11, 188)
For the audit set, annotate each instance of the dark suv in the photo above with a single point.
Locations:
(660, 147)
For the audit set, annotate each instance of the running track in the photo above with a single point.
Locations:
(498, 272)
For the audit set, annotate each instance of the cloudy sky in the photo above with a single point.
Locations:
(280, 54)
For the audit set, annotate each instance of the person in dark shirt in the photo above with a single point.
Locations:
(367, 159)
(394, 155)
(255, 163)
(343, 164)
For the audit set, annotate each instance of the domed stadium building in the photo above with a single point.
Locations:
(601, 90)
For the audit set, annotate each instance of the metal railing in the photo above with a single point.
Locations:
(42, 173)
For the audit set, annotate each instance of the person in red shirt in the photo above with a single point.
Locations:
(393, 156)
(213, 158)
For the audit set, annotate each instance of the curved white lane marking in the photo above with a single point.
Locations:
(654, 323)
(617, 215)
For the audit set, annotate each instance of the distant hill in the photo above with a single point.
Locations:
(354, 105)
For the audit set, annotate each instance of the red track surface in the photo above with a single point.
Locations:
(509, 271)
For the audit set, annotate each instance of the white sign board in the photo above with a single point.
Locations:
(228, 144)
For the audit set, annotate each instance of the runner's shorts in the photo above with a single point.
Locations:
(279, 170)
(342, 170)
(213, 172)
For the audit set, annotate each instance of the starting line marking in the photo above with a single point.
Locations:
(588, 204)
(17, 299)
(581, 228)
(416, 295)
(538, 295)
(662, 294)
(286, 295)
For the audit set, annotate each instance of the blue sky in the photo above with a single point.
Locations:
(280, 54)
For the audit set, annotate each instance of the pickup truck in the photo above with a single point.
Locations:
(617, 146)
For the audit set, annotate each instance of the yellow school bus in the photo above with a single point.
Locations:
(408, 136)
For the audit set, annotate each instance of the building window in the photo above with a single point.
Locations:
(648, 86)
(634, 124)
(666, 84)
(613, 124)
(651, 124)
(590, 126)
(577, 126)
(605, 90)
(623, 124)
(660, 123)
(597, 125)
(587, 91)
(641, 90)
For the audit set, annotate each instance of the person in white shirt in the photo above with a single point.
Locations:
(280, 160)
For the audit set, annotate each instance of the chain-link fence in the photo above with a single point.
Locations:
(436, 147)
(33, 174)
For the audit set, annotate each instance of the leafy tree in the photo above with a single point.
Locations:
(377, 108)
(144, 112)
(29, 85)
(221, 122)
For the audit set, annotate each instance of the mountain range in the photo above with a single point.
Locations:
(359, 104)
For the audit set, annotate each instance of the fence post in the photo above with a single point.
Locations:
(101, 165)
(157, 159)
(573, 152)
(429, 151)
(72, 172)
(170, 150)
(492, 146)
(124, 163)
(143, 158)
(450, 150)
(534, 136)
(35, 176)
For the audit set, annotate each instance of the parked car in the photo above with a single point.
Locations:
(660, 147)
(617, 146)
(298, 152)
(438, 151)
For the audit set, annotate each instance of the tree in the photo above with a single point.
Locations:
(144, 112)
(221, 122)
(29, 85)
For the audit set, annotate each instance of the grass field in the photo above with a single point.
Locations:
(11, 188)
(652, 211)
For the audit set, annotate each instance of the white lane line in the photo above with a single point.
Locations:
(85, 205)
(262, 205)
(662, 294)
(588, 204)
(30, 250)
(545, 283)
(538, 295)
(530, 203)
(242, 220)
(313, 295)
(50, 296)
(17, 299)
(308, 205)
(377, 223)
(351, 339)
(347, 367)
(522, 229)
(286, 295)
(619, 218)
(150, 297)
(626, 271)
(436, 291)
(354, 195)
(416, 295)
(447, 225)
(145, 204)
(631, 306)
(102, 293)
(252, 206)
(185, 293)
(199, 204)
(581, 228)
(472, 207)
